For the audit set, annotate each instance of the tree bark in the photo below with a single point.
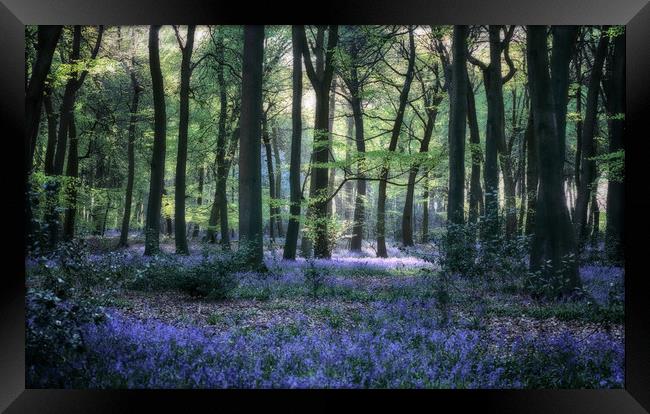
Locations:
(180, 227)
(475, 190)
(291, 240)
(532, 175)
(587, 173)
(554, 239)
(128, 198)
(72, 172)
(271, 176)
(48, 37)
(614, 234)
(250, 176)
(407, 214)
(152, 227)
(278, 180)
(397, 128)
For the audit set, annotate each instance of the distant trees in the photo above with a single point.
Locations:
(378, 102)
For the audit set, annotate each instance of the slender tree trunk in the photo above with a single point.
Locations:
(397, 128)
(407, 214)
(152, 227)
(72, 172)
(271, 175)
(126, 219)
(554, 239)
(532, 175)
(615, 185)
(180, 228)
(359, 215)
(291, 240)
(425, 210)
(199, 201)
(475, 190)
(51, 133)
(587, 173)
(278, 180)
(250, 177)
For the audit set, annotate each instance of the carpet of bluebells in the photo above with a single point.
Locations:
(403, 332)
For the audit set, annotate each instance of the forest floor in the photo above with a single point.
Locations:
(370, 322)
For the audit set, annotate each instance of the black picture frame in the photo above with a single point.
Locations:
(635, 14)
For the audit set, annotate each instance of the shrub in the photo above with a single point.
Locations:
(314, 278)
(212, 279)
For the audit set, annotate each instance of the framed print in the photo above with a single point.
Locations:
(432, 198)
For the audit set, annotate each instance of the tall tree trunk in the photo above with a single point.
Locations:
(271, 175)
(407, 214)
(180, 228)
(250, 176)
(331, 207)
(554, 239)
(51, 133)
(48, 37)
(359, 215)
(532, 175)
(457, 128)
(587, 173)
(397, 128)
(475, 190)
(126, 219)
(495, 133)
(278, 180)
(320, 77)
(199, 201)
(615, 185)
(152, 227)
(425, 210)
(72, 172)
(291, 240)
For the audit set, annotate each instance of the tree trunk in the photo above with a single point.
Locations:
(278, 180)
(397, 128)
(554, 239)
(126, 219)
(271, 175)
(407, 214)
(425, 210)
(180, 228)
(48, 37)
(152, 227)
(532, 175)
(587, 173)
(457, 128)
(291, 240)
(72, 172)
(51, 133)
(359, 214)
(615, 185)
(199, 201)
(475, 190)
(321, 79)
(250, 176)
